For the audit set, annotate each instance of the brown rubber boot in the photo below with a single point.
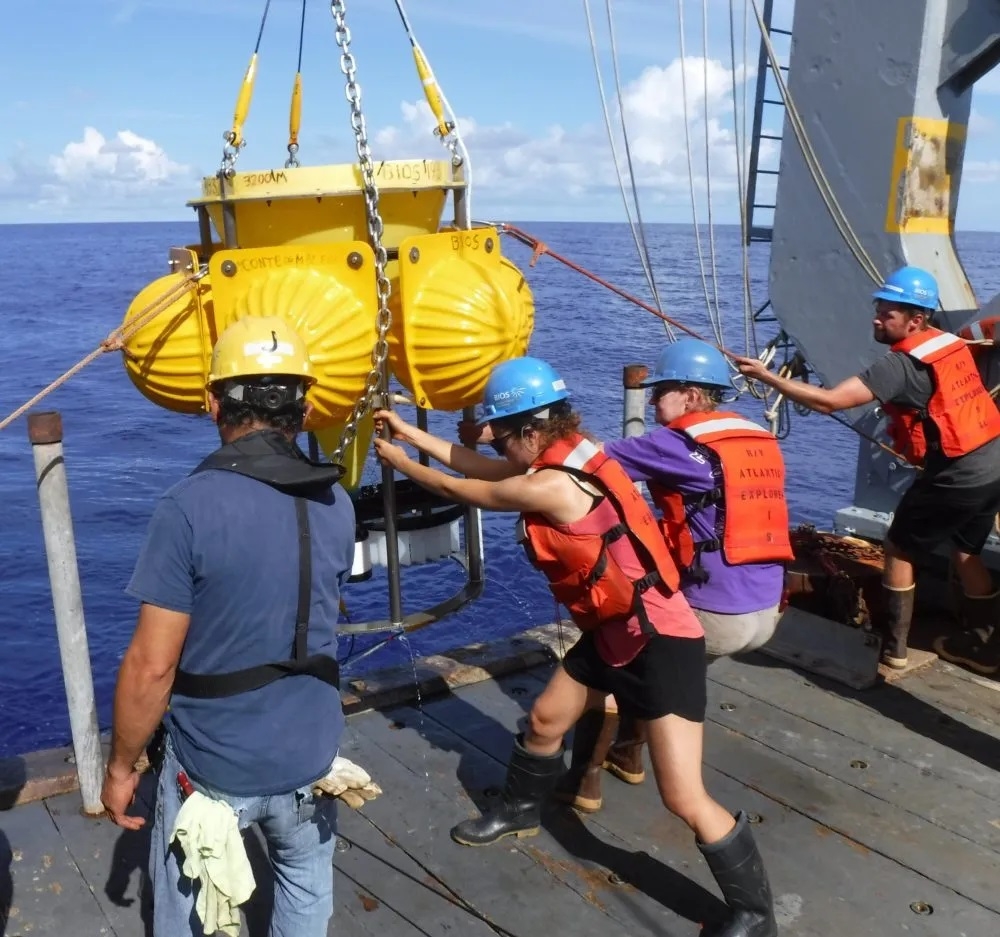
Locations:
(624, 760)
(896, 627)
(580, 787)
(978, 647)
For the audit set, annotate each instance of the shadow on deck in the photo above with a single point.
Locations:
(878, 814)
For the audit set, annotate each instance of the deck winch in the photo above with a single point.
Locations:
(359, 261)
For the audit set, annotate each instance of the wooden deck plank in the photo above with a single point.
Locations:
(958, 874)
(417, 822)
(111, 860)
(847, 853)
(859, 765)
(416, 901)
(48, 892)
(644, 890)
(893, 720)
(958, 690)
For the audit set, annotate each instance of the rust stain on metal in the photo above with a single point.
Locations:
(368, 902)
(595, 879)
(835, 577)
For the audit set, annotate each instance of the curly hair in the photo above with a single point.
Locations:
(562, 422)
(286, 416)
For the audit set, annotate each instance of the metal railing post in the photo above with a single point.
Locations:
(45, 433)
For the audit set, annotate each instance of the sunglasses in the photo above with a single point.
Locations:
(499, 443)
(661, 390)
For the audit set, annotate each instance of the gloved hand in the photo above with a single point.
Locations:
(351, 783)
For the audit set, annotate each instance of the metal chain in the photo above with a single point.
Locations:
(383, 318)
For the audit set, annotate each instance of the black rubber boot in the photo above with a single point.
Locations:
(739, 870)
(978, 647)
(580, 787)
(896, 628)
(530, 779)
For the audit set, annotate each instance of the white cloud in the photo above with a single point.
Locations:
(97, 176)
(575, 164)
(557, 172)
(981, 170)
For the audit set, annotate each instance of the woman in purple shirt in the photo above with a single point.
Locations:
(738, 603)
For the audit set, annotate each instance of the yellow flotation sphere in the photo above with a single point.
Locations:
(461, 309)
(167, 357)
(353, 459)
(333, 320)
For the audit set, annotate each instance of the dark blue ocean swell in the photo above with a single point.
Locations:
(66, 286)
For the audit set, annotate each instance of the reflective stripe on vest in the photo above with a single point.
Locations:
(980, 330)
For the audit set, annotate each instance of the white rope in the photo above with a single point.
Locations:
(635, 226)
(690, 166)
(460, 145)
(742, 176)
(708, 175)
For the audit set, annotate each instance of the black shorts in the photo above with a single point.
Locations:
(930, 516)
(667, 677)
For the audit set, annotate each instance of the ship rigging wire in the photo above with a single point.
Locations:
(459, 151)
(635, 225)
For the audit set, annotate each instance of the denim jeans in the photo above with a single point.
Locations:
(300, 830)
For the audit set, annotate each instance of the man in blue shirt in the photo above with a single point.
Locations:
(239, 580)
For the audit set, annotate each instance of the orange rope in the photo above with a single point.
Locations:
(539, 248)
(114, 342)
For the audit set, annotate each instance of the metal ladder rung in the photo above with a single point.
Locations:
(758, 232)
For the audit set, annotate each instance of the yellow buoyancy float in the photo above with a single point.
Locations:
(294, 243)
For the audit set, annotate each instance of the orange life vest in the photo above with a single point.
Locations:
(584, 570)
(960, 406)
(982, 330)
(751, 498)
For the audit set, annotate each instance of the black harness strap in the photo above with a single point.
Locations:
(639, 586)
(321, 666)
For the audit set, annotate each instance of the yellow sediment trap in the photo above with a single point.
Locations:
(360, 259)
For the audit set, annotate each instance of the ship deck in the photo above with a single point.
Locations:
(878, 813)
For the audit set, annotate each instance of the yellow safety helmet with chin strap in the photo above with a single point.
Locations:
(260, 346)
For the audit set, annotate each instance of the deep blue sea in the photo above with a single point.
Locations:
(66, 286)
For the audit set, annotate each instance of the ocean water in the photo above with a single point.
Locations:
(66, 286)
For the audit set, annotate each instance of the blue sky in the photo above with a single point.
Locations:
(110, 111)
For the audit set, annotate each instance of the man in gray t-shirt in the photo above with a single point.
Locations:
(944, 421)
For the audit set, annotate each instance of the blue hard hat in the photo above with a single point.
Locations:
(690, 361)
(911, 285)
(521, 385)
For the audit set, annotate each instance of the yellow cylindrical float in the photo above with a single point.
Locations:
(167, 358)
(295, 244)
(461, 309)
